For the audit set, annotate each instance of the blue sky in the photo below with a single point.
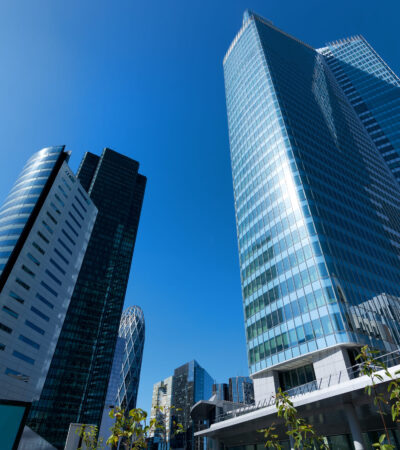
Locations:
(145, 78)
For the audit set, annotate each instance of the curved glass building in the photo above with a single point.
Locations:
(317, 213)
(132, 329)
(24, 196)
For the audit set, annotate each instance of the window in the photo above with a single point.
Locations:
(68, 237)
(43, 300)
(2, 347)
(23, 284)
(29, 341)
(34, 327)
(71, 228)
(38, 248)
(48, 228)
(5, 328)
(23, 357)
(17, 297)
(46, 286)
(74, 219)
(55, 208)
(52, 218)
(20, 376)
(76, 210)
(43, 237)
(28, 271)
(62, 191)
(65, 246)
(57, 266)
(80, 203)
(61, 256)
(33, 259)
(40, 314)
(59, 199)
(53, 277)
(10, 311)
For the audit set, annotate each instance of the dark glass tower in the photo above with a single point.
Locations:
(77, 380)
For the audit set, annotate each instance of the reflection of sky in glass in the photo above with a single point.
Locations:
(307, 182)
(22, 198)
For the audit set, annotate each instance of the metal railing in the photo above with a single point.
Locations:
(389, 360)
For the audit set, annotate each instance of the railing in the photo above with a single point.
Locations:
(389, 360)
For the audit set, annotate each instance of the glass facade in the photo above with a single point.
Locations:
(132, 330)
(317, 209)
(374, 91)
(241, 390)
(23, 197)
(84, 354)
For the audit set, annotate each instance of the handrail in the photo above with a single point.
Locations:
(392, 359)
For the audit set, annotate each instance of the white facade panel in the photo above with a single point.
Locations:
(36, 295)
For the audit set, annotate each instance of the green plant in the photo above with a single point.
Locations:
(370, 365)
(89, 436)
(299, 430)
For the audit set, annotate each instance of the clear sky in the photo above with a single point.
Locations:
(145, 78)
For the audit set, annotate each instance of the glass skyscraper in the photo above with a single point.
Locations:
(317, 212)
(77, 381)
(191, 383)
(132, 330)
(374, 91)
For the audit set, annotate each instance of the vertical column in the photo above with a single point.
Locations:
(354, 427)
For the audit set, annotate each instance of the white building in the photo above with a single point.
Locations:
(45, 226)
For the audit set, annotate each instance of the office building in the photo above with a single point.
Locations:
(132, 330)
(84, 354)
(161, 404)
(220, 391)
(191, 384)
(241, 390)
(373, 89)
(317, 213)
(41, 251)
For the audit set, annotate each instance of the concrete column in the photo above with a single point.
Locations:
(354, 425)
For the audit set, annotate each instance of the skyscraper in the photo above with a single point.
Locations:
(315, 206)
(374, 91)
(41, 251)
(132, 330)
(77, 381)
(191, 384)
(317, 212)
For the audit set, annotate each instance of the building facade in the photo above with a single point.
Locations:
(317, 212)
(132, 330)
(373, 89)
(84, 353)
(191, 384)
(112, 392)
(241, 390)
(313, 242)
(221, 391)
(161, 404)
(41, 252)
